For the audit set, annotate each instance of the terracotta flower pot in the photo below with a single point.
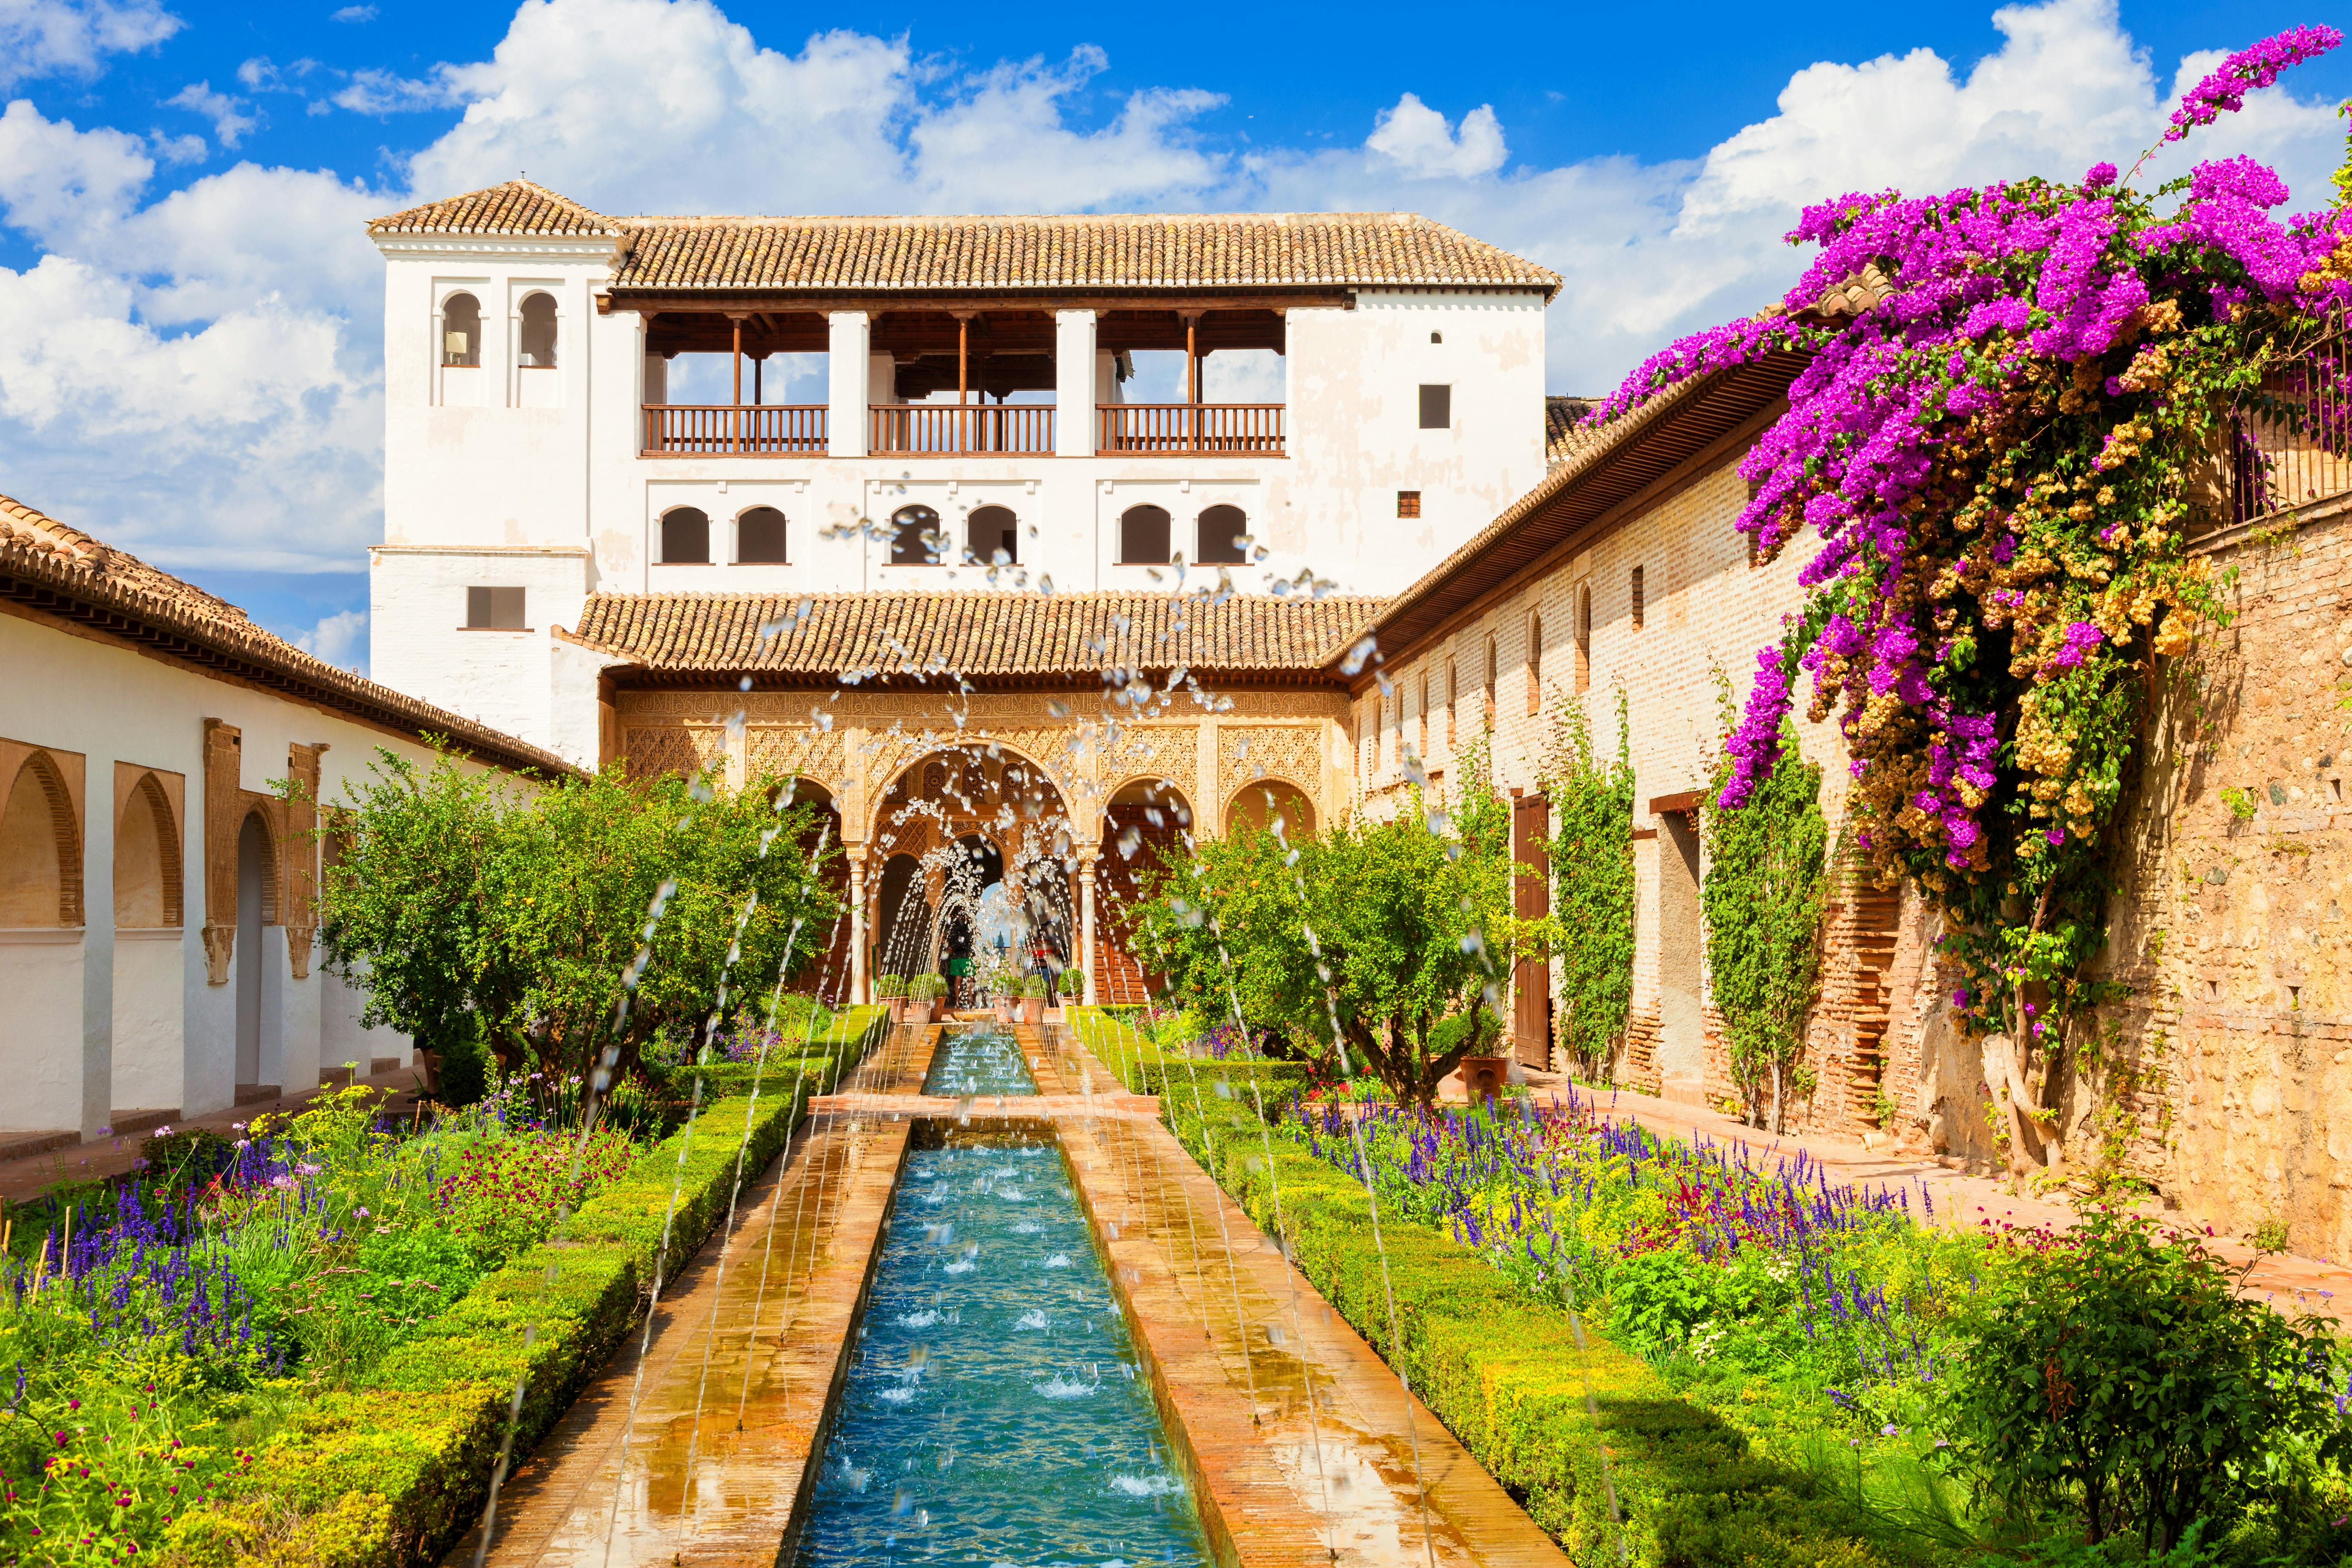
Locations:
(1485, 1077)
(1033, 1011)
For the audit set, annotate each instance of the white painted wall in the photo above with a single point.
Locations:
(87, 1034)
(149, 1022)
(41, 1048)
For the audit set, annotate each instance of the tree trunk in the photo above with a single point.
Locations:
(1776, 1097)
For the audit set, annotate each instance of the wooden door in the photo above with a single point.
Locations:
(1531, 896)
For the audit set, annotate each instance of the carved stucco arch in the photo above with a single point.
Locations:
(1306, 793)
(148, 796)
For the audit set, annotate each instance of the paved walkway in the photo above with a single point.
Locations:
(1957, 1199)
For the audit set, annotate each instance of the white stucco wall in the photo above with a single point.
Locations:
(40, 1043)
(150, 1020)
(99, 1020)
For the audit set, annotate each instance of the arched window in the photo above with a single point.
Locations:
(685, 536)
(909, 524)
(40, 849)
(1143, 536)
(461, 330)
(146, 861)
(759, 537)
(1223, 527)
(1453, 692)
(1584, 638)
(539, 331)
(1535, 663)
(994, 528)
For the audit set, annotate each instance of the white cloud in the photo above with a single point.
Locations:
(230, 122)
(354, 14)
(72, 37)
(198, 373)
(341, 640)
(1416, 139)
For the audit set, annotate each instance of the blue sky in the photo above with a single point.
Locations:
(190, 321)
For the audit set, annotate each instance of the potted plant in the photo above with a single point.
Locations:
(923, 993)
(891, 990)
(1032, 999)
(1072, 983)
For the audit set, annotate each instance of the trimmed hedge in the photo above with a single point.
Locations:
(828, 1057)
(1508, 1378)
(1146, 1068)
(392, 1474)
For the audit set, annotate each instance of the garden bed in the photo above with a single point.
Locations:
(219, 1442)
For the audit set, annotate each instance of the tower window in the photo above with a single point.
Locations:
(1408, 503)
(495, 610)
(908, 543)
(1222, 529)
(1143, 536)
(1437, 407)
(538, 345)
(461, 330)
(1637, 598)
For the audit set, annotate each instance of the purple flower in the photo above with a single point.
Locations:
(2224, 92)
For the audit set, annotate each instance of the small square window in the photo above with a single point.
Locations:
(1408, 503)
(1437, 407)
(495, 609)
(1437, 337)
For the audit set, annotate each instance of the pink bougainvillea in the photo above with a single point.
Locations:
(1997, 456)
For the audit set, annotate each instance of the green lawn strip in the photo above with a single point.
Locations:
(392, 1473)
(828, 1056)
(1146, 1068)
(1506, 1374)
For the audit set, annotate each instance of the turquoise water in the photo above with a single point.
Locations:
(979, 1061)
(995, 1412)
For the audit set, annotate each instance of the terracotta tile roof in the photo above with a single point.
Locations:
(939, 636)
(1565, 432)
(1116, 251)
(58, 569)
(516, 207)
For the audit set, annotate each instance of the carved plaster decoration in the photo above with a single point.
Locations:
(220, 941)
(685, 749)
(1246, 754)
(781, 751)
(298, 910)
(223, 818)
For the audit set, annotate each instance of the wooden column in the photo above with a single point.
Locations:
(963, 382)
(1086, 923)
(735, 420)
(1192, 378)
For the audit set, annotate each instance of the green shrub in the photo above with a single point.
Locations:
(391, 1473)
(2118, 1375)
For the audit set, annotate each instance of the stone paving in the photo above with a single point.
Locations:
(1302, 1446)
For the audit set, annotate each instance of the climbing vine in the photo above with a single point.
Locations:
(1591, 850)
(1763, 896)
(2006, 429)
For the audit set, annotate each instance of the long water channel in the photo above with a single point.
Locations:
(995, 1409)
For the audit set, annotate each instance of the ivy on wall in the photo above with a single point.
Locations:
(1767, 883)
(1591, 851)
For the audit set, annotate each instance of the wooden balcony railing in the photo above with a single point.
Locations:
(760, 430)
(1224, 427)
(963, 429)
(2293, 442)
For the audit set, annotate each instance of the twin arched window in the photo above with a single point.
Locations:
(461, 331)
(1145, 536)
(758, 537)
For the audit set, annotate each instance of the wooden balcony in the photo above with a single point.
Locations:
(725, 429)
(1225, 429)
(962, 429)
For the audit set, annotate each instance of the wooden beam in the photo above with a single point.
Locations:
(720, 304)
